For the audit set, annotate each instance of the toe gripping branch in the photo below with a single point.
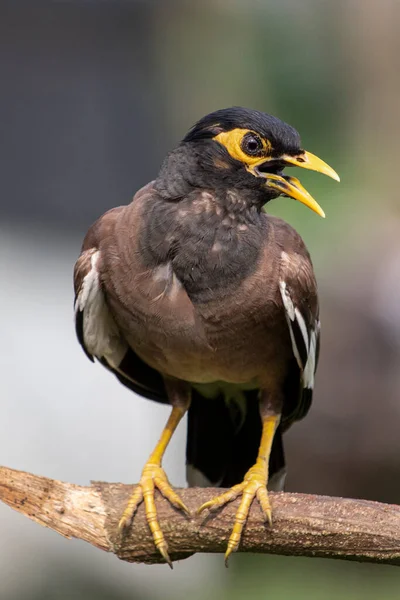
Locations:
(253, 486)
(154, 477)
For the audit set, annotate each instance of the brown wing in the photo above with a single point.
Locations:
(97, 331)
(298, 291)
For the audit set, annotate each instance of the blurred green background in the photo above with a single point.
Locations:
(93, 96)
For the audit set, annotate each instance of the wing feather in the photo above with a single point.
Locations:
(298, 291)
(97, 330)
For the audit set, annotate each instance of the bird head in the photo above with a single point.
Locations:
(249, 148)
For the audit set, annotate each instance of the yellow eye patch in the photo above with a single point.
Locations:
(232, 141)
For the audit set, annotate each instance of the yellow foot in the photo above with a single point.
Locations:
(253, 485)
(153, 477)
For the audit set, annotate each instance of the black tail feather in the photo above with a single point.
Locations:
(218, 450)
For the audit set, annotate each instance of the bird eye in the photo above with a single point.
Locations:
(251, 144)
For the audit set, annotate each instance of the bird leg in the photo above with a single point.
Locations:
(153, 477)
(253, 486)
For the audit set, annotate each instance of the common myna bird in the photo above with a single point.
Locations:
(193, 296)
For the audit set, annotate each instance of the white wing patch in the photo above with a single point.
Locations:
(290, 316)
(100, 333)
(287, 301)
(300, 334)
(309, 369)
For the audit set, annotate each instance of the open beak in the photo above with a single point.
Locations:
(291, 186)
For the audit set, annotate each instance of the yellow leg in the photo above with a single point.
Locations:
(153, 477)
(253, 485)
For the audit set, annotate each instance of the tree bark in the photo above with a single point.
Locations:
(304, 525)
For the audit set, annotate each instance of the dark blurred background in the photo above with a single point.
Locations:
(93, 94)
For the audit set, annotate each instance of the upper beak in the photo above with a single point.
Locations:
(312, 162)
(291, 186)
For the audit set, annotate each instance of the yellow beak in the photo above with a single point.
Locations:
(312, 162)
(291, 186)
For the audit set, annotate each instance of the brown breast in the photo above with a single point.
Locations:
(236, 334)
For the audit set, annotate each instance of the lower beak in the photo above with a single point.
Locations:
(291, 186)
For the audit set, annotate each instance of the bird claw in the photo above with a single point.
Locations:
(253, 486)
(153, 477)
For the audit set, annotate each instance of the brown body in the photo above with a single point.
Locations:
(240, 336)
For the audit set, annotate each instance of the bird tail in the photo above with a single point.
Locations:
(223, 439)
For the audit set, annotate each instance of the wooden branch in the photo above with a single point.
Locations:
(304, 525)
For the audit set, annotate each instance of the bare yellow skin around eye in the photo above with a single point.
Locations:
(232, 140)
